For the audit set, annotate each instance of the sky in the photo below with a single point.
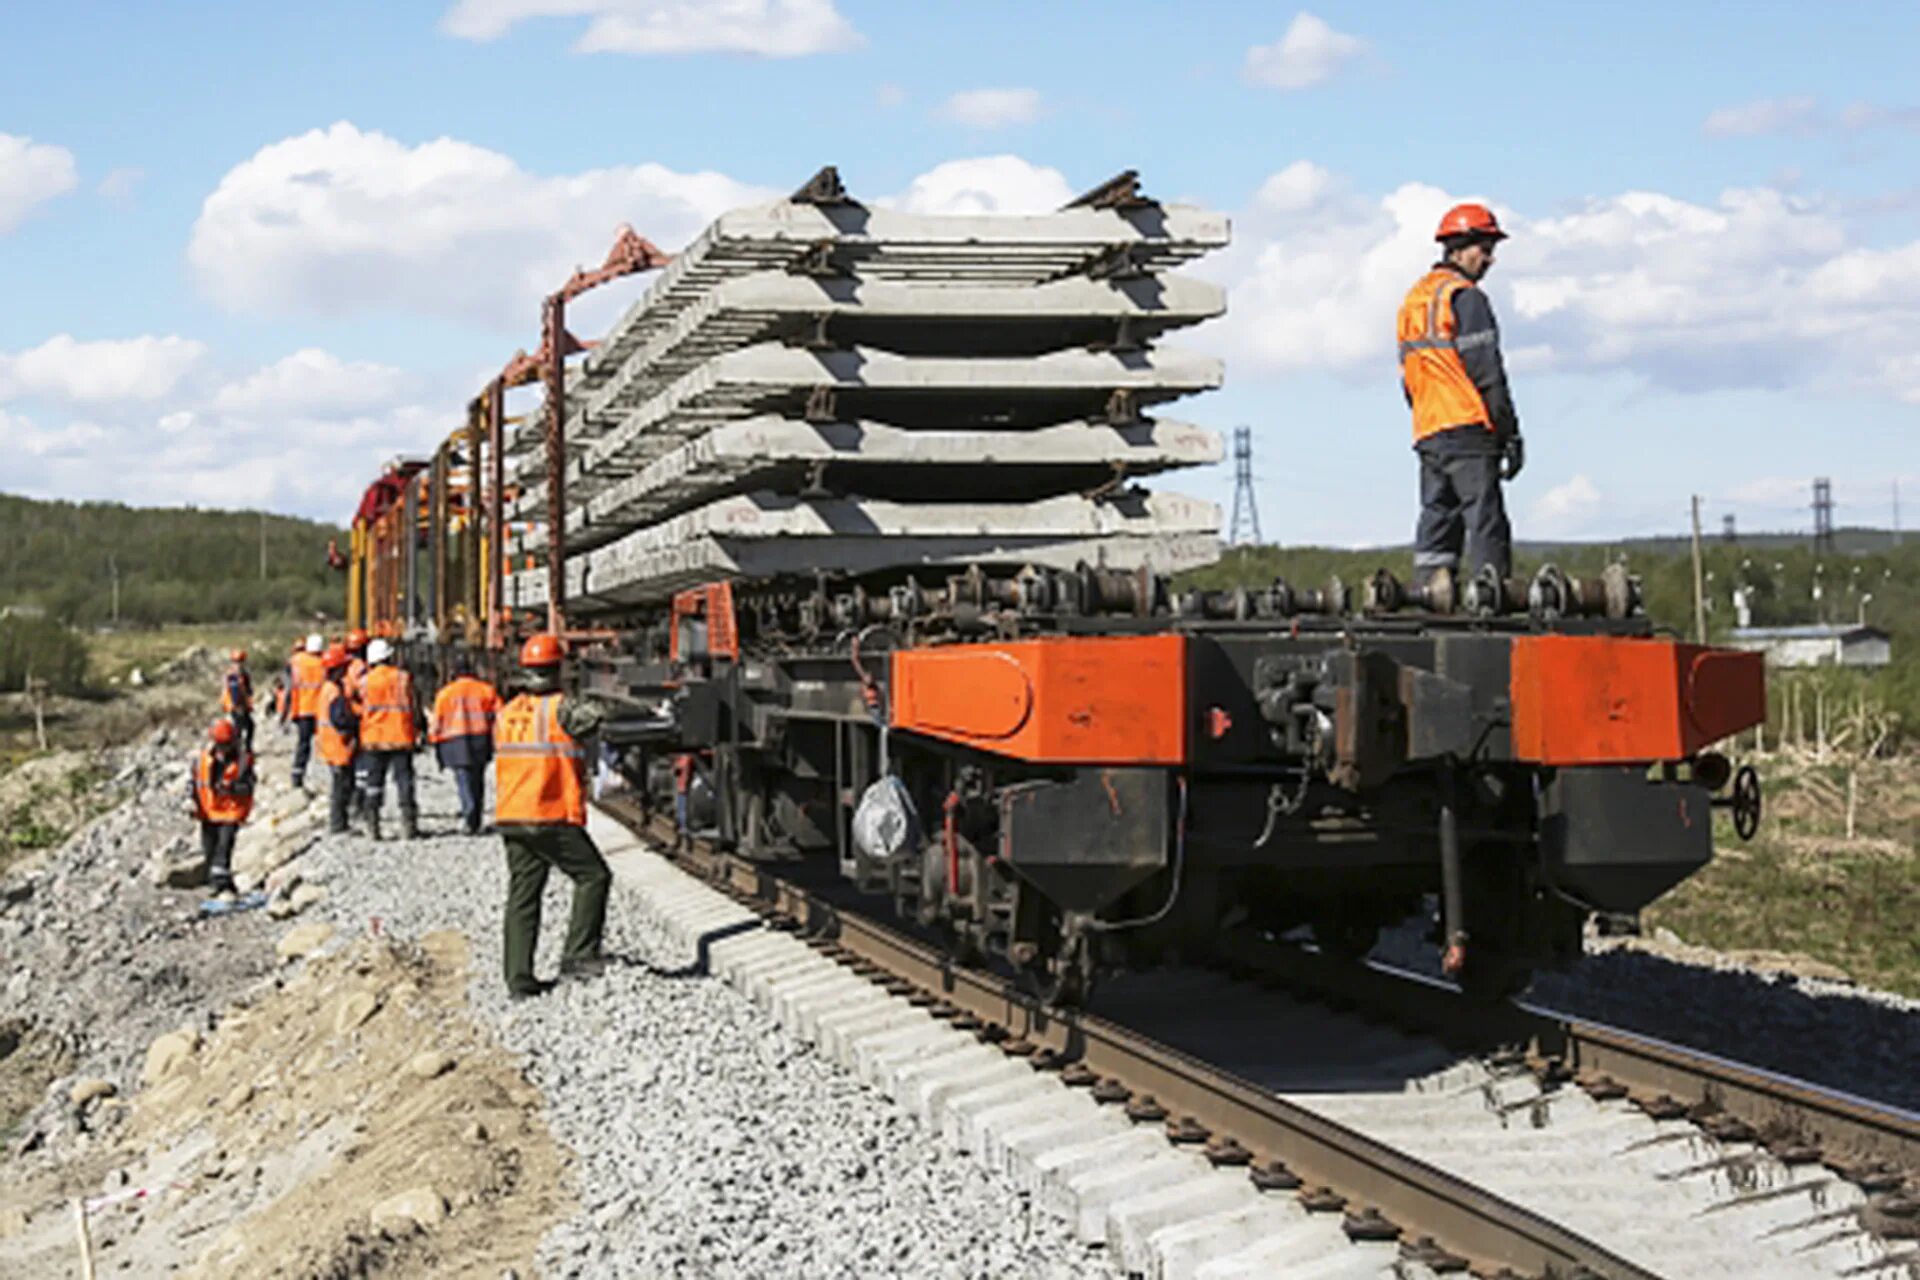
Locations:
(249, 252)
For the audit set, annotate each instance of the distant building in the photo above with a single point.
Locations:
(1819, 645)
(22, 611)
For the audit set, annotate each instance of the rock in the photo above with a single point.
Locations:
(185, 873)
(280, 909)
(168, 1054)
(89, 1090)
(136, 677)
(416, 1209)
(13, 1222)
(429, 1063)
(475, 1133)
(238, 1099)
(303, 940)
(306, 895)
(354, 1008)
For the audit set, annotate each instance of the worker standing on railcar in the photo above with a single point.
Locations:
(389, 735)
(339, 735)
(1465, 430)
(236, 697)
(461, 731)
(540, 806)
(220, 790)
(306, 673)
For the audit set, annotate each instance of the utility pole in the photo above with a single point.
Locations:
(1245, 528)
(1699, 580)
(1896, 513)
(263, 546)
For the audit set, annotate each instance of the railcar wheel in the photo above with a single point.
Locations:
(1746, 802)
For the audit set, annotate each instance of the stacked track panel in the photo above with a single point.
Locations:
(829, 388)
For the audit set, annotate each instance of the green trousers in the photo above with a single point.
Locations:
(531, 853)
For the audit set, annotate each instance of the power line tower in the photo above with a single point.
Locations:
(1823, 516)
(1728, 534)
(1245, 529)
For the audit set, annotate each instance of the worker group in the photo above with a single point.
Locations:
(357, 707)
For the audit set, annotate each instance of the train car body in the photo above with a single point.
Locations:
(846, 520)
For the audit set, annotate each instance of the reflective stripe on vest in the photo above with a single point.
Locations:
(1436, 378)
(336, 748)
(309, 674)
(217, 802)
(464, 709)
(386, 722)
(539, 771)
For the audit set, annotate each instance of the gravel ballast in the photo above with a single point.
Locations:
(709, 1141)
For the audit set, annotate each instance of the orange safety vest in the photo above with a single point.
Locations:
(1436, 378)
(220, 795)
(539, 771)
(464, 708)
(336, 748)
(309, 674)
(244, 703)
(386, 722)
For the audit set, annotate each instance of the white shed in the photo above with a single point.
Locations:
(1819, 645)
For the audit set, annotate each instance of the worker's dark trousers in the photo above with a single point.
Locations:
(470, 780)
(533, 851)
(374, 768)
(302, 747)
(216, 846)
(1461, 503)
(340, 795)
(242, 728)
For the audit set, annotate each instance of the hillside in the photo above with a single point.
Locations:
(173, 564)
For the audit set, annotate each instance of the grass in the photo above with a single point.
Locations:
(1803, 886)
(116, 653)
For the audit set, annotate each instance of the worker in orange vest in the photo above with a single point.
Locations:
(236, 697)
(540, 806)
(389, 735)
(306, 673)
(1465, 430)
(462, 734)
(220, 789)
(356, 662)
(339, 733)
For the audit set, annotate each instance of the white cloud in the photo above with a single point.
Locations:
(339, 221)
(767, 28)
(1798, 114)
(119, 183)
(888, 96)
(63, 368)
(987, 184)
(1757, 289)
(1309, 53)
(313, 383)
(1566, 509)
(992, 108)
(31, 173)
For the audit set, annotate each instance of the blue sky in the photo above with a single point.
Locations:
(253, 250)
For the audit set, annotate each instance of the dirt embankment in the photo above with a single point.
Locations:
(351, 1120)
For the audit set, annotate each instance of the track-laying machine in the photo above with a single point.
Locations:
(845, 518)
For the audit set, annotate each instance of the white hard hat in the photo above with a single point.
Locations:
(316, 643)
(379, 650)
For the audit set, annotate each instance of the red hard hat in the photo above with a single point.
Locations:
(356, 639)
(221, 731)
(541, 650)
(335, 656)
(239, 655)
(1469, 220)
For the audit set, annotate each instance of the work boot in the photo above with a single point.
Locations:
(409, 824)
(370, 821)
(538, 988)
(591, 967)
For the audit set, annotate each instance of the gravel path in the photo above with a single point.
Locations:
(709, 1141)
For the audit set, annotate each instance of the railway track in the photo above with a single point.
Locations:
(1815, 1172)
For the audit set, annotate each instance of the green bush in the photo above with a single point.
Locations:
(43, 649)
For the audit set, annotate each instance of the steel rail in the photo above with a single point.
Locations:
(1290, 1144)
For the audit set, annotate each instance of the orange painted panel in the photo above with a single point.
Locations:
(1058, 700)
(1628, 700)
